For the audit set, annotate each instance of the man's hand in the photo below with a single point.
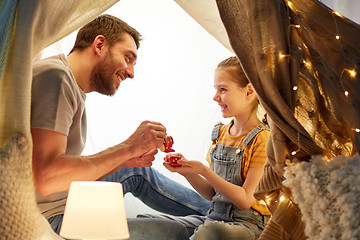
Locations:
(142, 161)
(149, 135)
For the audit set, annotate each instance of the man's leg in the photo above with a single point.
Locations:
(55, 222)
(160, 192)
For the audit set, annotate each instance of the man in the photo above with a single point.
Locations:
(104, 55)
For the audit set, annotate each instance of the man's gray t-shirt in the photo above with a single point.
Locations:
(58, 104)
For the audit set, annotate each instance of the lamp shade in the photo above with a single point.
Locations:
(95, 210)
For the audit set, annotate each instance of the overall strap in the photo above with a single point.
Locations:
(216, 132)
(253, 133)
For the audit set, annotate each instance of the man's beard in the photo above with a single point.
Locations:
(101, 78)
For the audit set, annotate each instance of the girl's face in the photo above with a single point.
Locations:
(229, 95)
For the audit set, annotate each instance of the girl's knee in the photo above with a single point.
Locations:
(215, 230)
(208, 231)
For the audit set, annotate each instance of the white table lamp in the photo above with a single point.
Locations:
(95, 210)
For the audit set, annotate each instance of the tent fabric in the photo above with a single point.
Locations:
(207, 15)
(302, 59)
(30, 25)
(7, 18)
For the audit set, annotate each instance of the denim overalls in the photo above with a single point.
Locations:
(226, 162)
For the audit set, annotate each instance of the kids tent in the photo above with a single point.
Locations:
(302, 59)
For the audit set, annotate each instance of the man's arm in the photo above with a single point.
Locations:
(54, 171)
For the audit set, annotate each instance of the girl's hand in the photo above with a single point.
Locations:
(185, 166)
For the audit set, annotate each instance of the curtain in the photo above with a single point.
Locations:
(27, 26)
(303, 61)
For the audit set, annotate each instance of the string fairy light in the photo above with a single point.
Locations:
(295, 25)
(295, 28)
(290, 4)
(352, 73)
(285, 198)
(356, 130)
(267, 199)
(307, 64)
(293, 153)
(283, 55)
(337, 13)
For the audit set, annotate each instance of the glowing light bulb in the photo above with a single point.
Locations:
(295, 88)
(307, 64)
(290, 4)
(293, 153)
(346, 93)
(337, 37)
(282, 198)
(337, 13)
(357, 130)
(283, 55)
(352, 73)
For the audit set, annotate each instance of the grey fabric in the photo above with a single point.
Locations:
(64, 108)
(63, 111)
(156, 229)
(317, 117)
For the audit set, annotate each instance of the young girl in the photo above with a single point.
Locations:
(237, 157)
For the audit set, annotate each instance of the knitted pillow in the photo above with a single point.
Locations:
(327, 193)
(20, 216)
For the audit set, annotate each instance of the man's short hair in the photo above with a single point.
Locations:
(109, 26)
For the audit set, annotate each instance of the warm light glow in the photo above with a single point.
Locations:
(283, 55)
(282, 198)
(95, 210)
(337, 37)
(346, 93)
(267, 199)
(262, 202)
(293, 153)
(357, 130)
(352, 73)
(307, 63)
(290, 4)
(337, 13)
(295, 25)
(295, 88)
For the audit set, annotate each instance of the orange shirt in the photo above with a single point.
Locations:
(254, 155)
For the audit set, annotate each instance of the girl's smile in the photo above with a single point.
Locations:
(229, 95)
